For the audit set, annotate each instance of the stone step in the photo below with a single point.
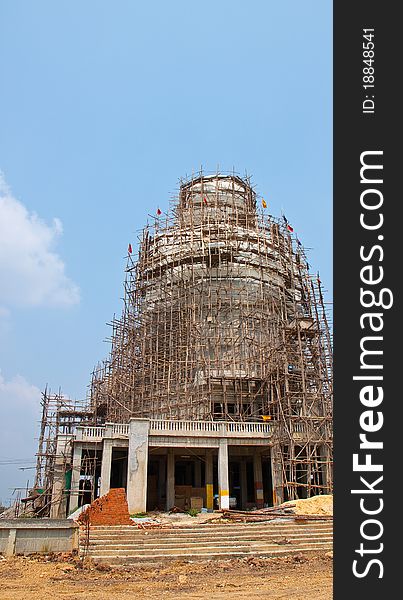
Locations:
(156, 538)
(134, 532)
(192, 541)
(123, 545)
(228, 525)
(149, 538)
(218, 526)
(122, 549)
(137, 533)
(210, 554)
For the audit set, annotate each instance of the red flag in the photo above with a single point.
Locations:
(159, 212)
(129, 249)
(289, 228)
(205, 200)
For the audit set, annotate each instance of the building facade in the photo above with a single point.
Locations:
(219, 380)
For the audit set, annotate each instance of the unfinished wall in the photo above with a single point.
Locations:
(110, 509)
(27, 536)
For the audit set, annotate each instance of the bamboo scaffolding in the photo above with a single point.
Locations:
(60, 415)
(223, 321)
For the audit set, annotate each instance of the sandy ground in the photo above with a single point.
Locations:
(294, 578)
(317, 505)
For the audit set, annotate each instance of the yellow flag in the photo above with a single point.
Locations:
(264, 203)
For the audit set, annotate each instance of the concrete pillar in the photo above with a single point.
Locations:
(137, 465)
(243, 482)
(209, 480)
(197, 473)
(258, 478)
(11, 541)
(75, 476)
(106, 466)
(170, 479)
(277, 475)
(58, 508)
(223, 479)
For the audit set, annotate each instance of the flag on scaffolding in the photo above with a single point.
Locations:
(159, 212)
(204, 200)
(129, 249)
(264, 203)
(288, 226)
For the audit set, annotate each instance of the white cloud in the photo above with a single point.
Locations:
(17, 394)
(20, 413)
(31, 272)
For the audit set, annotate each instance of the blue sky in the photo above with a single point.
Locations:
(104, 106)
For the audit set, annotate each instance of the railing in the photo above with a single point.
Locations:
(180, 428)
(248, 427)
(185, 426)
(210, 428)
(120, 429)
(298, 427)
(91, 433)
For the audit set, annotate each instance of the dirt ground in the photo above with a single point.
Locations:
(296, 578)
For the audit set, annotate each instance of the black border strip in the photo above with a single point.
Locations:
(355, 132)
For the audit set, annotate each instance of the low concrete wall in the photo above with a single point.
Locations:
(25, 536)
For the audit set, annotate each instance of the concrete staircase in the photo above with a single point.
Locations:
(125, 545)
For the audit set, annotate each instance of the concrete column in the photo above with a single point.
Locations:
(63, 457)
(258, 478)
(209, 480)
(223, 479)
(137, 465)
(277, 475)
(11, 541)
(75, 476)
(244, 483)
(197, 472)
(170, 479)
(106, 467)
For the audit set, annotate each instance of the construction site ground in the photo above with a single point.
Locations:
(317, 505)
(66, 577)
(296, 577)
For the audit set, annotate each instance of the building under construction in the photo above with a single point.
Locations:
(219, 381)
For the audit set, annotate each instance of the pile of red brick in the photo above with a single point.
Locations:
(110, 509)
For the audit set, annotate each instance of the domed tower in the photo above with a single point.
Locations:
(221, 319)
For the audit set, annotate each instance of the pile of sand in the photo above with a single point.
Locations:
(317, 505)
